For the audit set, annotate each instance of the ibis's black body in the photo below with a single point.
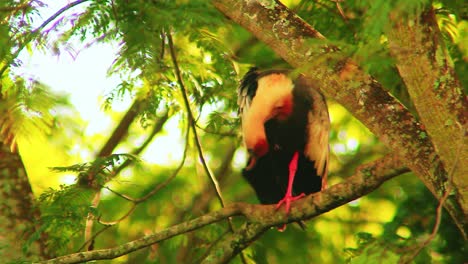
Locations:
(269, 176)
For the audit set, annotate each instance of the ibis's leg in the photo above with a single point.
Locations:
(288, 198)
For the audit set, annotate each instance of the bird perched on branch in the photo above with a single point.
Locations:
(285, 127)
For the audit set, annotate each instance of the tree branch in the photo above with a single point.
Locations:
(36, 31)
(259, 217)
(367, 178)
(157, 127)
(336, 76)
(429, 74)
(121, 130)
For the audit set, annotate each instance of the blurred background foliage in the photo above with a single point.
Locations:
(212, 54)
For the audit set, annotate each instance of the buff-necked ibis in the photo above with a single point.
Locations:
(285, 127)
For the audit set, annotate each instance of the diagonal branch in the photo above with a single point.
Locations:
(259, 217)
(121, 130)
(367, 178)
(157, 127)
(336, 76)
(429, 74)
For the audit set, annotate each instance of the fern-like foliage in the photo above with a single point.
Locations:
(63, 216)
(94, 174)
(64, 210)
(26, 109)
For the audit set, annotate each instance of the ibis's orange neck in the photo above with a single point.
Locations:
(273, 99)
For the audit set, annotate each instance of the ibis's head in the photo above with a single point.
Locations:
(273, 99)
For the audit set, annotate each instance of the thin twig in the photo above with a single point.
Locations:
(33, 33)
(93, 237)
(90, 220)
(202, 200)
(340, 10)
(213, 180)
(174, 174)
(121, 195)
(222, 134)
(129, 212)
(163, 45)
(192, 123)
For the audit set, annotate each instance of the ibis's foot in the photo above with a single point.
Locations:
(281, 228)
(287, 201)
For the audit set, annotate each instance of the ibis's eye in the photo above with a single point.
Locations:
(277, 109)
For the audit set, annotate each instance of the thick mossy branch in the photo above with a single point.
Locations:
(428, 72)
(259, 217)
(336, 76)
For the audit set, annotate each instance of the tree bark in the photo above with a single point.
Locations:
(18, 215)
(335, 75)
(429, 74)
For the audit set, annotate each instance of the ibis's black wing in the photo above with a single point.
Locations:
(246, 90)
(318, 130)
